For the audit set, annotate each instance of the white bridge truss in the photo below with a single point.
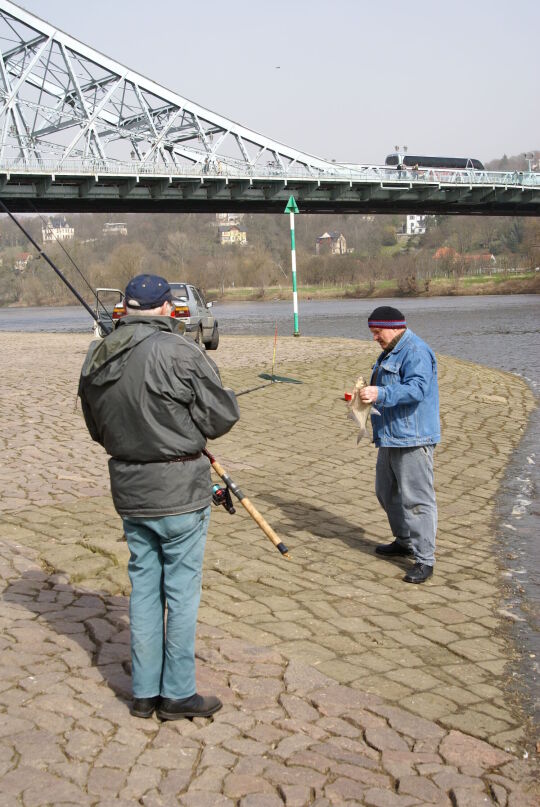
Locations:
(62, 102)
(78, 131)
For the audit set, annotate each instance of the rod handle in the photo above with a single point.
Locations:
(265, 526)
(219, 469)
(245, 502)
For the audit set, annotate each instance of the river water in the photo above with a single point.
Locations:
(498, 331)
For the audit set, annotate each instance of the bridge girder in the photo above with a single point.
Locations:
(65, 192)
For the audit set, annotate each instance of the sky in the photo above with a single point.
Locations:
(340, 79)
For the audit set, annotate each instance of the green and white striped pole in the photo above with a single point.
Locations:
(291, 209)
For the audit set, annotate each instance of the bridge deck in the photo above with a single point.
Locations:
(109, 188)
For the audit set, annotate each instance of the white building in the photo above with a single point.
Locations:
(22, 261)
(229, 218)
(416, 225)
(115, 228)
(57, 229)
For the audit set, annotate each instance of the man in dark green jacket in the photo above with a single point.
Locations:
(152, 398)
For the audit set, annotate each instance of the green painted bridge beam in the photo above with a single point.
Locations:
(69, 193)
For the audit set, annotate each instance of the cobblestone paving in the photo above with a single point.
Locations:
(341, 683)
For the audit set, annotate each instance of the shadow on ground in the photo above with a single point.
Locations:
(98, 622)
(323, 524)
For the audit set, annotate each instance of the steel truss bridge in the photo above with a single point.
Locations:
(80, 132)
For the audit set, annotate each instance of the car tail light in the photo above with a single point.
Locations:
(119, 311)
(180, 311)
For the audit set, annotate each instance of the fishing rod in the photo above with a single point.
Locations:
(219, 495)
(64, 250)
(222, 496)
(106, 327)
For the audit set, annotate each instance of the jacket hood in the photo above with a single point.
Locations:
(105, 362)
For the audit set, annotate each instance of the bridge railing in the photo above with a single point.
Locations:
(224, 170)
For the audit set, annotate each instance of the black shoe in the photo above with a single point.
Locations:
(196, 706)
(144, 707)
(394, 549)
(419, 573)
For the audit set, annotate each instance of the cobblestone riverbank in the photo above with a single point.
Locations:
(341, 683)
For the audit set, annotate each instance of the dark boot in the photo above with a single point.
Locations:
(144, 707)
(195, 706)
(395, 549)
(419, 573)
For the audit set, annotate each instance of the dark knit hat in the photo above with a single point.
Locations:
(147, 291)
(386, 317)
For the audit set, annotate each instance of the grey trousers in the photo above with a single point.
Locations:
(405, 490)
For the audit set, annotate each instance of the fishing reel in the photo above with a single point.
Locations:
(223, 496)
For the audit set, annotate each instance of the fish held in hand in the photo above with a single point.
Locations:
(359, 411)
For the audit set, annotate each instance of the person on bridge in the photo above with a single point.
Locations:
(151, 397)
(404, 390)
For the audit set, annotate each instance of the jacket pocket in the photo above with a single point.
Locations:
(402, 422)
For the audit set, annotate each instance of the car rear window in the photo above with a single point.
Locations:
(179, 289)
(198, 296)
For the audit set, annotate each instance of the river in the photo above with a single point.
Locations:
(498, 331)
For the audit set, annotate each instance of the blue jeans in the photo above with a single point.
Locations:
(165, 568)
(405, 490)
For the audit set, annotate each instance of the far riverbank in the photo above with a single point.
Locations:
(409, 288)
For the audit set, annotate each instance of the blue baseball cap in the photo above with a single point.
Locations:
(147, 291)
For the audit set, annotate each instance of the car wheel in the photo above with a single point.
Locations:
(213, 343)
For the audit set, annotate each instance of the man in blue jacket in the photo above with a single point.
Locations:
(405, 392)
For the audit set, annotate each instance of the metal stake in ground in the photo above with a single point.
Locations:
(245, 502)
(271, 377)
(291, 209)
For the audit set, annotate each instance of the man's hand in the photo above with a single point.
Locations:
(369, 394)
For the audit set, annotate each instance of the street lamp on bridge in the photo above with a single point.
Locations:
(529, 156)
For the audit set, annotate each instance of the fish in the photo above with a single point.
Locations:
(358, 410)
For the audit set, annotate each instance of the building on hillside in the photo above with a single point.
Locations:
(479, 263)
(229, 218)
(333, 243)
(416, 225)
(115, 228)
(22, 261)
(57, 229)
(232, 234)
